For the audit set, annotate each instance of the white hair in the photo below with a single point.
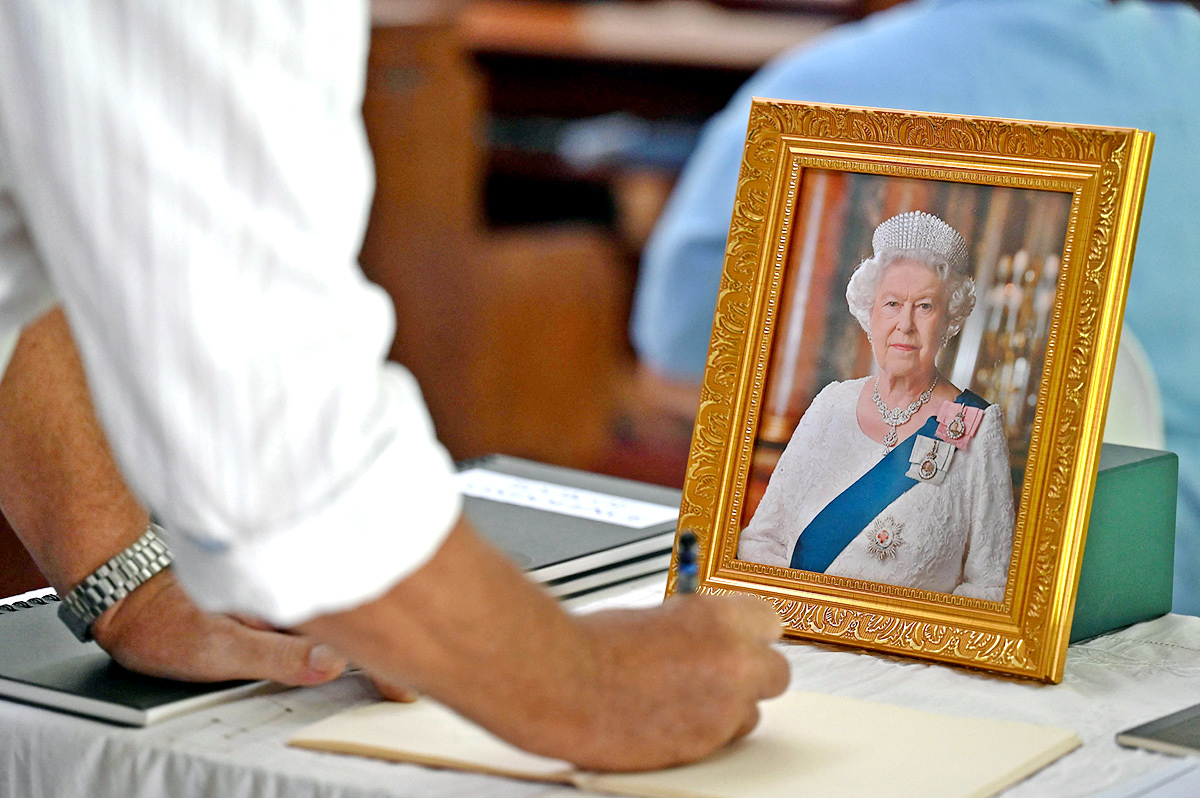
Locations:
(864, 283)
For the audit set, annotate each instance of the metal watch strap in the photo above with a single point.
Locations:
(113, 581)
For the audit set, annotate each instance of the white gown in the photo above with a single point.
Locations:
(954, 537)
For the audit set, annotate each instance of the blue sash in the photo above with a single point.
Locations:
(844, 518)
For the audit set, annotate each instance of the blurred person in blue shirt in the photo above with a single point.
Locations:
(1092, 62)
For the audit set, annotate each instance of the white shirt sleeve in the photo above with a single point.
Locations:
(25, 290)
(195, 180)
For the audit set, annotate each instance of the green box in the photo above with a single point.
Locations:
(1129, 554)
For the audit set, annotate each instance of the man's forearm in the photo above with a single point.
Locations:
(465, 628)
(617, 690)
(65, 498)
(59, 486)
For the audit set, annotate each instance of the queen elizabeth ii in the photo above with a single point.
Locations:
(899, 478)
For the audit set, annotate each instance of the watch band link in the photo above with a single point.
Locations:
(113, 581)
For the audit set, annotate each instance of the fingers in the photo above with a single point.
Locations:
(324, 663)
(252, 622)
(256, 650)
(777, 675)
(393, 691)
(689, 673)
(748, 725)
(754, 617)
(284, 658)
(754, 625)
(157, 630)
(759, 621)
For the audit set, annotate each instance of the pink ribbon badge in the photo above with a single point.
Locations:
(957, 423)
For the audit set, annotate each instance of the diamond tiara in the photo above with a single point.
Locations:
(920, 230)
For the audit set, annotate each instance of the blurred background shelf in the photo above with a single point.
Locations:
(523, 150)
(690, 33)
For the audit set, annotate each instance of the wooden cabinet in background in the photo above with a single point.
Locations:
(422, 111)
(511, 269)
(516, 335)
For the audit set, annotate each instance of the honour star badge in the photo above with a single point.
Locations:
(884, 537)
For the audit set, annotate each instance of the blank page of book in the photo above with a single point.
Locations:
(427, 733)
(806, 744)
(817, 744)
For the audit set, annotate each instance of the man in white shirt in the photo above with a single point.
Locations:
(190, 181)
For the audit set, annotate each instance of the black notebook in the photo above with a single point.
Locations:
(42, 663)
(1177, 734)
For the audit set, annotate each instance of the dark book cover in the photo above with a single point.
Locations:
(552, 543)
(42, 663)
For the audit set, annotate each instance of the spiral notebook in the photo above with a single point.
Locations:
(806, 744)
(42, 663)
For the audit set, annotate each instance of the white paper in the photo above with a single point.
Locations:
(39, 593)
(484, 484)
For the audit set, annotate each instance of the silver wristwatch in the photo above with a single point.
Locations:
(113, 581)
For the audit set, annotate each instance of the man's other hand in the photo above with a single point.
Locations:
(157, 630)
(676, 682)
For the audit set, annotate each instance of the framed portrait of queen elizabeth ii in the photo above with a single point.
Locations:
(908, 374)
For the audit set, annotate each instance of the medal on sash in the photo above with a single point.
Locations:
(855, 513)
(930, 460)
(957, 423)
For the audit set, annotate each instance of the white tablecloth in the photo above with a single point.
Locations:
(237, 750)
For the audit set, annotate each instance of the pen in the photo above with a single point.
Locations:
(687, 569)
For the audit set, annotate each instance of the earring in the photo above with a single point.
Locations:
(945, 340)
(869, 337)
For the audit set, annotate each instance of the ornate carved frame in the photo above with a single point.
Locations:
(1105, 170)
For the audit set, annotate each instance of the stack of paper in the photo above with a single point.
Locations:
(571, 531)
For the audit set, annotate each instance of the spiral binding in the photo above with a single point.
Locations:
(39, 601)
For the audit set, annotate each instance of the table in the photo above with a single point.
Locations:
(1111, 683)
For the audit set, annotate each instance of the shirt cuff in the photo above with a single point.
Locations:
(382, 528)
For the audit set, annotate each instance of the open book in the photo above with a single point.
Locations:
(806, 744)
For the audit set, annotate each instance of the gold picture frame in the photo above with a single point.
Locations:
(1081, 192)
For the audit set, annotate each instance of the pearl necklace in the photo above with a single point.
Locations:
(894, 418)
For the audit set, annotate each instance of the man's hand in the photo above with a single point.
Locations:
(67, 502)
(628, 690)
(675, 682)
(157, 630)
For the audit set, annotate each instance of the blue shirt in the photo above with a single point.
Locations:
(1129, 64)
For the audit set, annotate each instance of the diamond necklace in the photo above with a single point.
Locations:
(894, 418)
